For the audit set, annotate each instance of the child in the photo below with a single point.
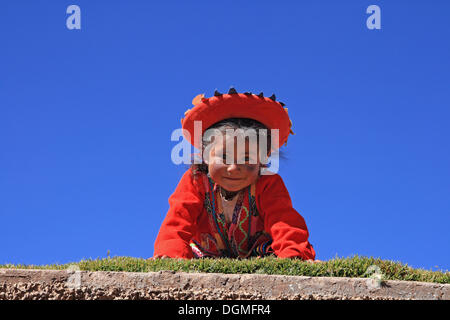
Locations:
(229, 209)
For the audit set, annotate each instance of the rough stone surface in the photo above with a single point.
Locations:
(64, 284)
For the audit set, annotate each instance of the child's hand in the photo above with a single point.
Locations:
(158, 257)
(313, 261)
(164, 257)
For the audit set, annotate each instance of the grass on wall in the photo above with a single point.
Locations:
(356, 266)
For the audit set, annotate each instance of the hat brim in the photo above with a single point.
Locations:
(217, 108)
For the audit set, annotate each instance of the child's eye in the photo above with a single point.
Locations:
(245, 159)
(225, 158)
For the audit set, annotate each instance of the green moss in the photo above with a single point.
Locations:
(362, 267)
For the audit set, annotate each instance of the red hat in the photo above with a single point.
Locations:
(237, 105)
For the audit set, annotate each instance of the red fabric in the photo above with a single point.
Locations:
(187, 218)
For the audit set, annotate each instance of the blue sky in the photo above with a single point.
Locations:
(86, 117)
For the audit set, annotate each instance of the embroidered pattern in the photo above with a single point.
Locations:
(244, 210)
(244, 236)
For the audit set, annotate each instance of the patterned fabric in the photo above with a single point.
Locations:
(194, 217)
(243, 237)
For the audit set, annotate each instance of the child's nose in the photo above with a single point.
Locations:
(233, 167)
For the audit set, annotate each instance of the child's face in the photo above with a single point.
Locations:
(233, 176)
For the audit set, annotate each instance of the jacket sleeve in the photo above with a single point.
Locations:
(284, 224)
(178, 226)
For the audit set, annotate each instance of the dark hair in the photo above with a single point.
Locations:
(231, 123)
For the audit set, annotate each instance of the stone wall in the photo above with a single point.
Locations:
(74, 284)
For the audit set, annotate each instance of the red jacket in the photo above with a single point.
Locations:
(187, 219)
